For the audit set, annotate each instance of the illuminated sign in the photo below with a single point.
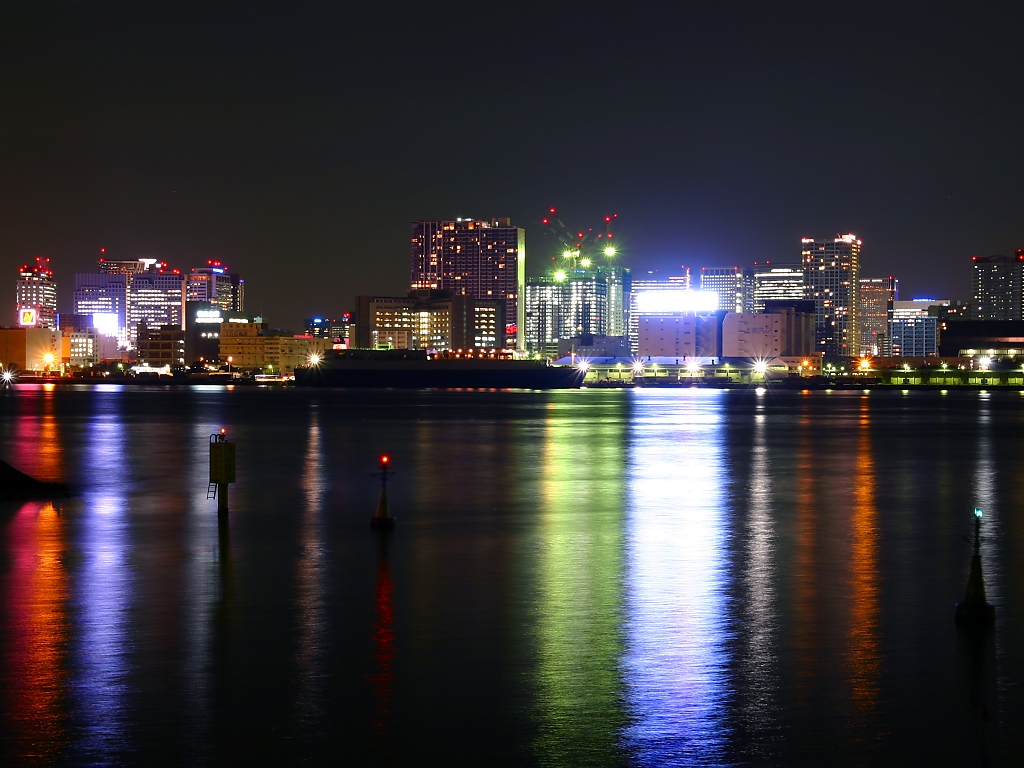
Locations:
(237, 320)
(656, 302)
(209, 316)
(28, 316)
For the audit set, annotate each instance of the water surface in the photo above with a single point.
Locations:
(634, 577)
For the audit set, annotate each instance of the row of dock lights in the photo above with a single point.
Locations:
(692, 367)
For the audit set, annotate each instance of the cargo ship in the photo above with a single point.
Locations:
(419, 369)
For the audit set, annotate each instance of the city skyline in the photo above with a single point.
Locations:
(165, 132)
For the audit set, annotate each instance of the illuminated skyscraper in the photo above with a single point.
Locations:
(876, 296)
(156, 297)
(832, 280)
(999, 287)
(124, 293)
(105, 297)
(485, 260)
(734, 286)
(567, 303)
(36, 295)
(213, 283)
(777, 282)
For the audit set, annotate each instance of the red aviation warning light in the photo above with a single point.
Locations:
(385, 459)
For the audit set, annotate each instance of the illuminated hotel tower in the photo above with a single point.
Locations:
(832, 280)
(485, 260)
(37, 295)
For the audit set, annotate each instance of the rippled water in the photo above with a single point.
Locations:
(642, 577)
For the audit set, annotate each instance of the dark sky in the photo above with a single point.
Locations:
(296, 144)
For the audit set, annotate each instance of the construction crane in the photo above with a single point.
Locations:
(582, 249)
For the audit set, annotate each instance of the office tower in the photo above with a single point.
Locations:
(545, 301)
(999, 287)
(650, 283)
(156, 297)
(618, 281)
(832, 280)
(481, 259)
(876, 295)
(337, 332)
(777, 282)
(36, 295)
(213, 283)
(567, 303)
(734, 286)
(105, 297)
(124, 293)
(913, 331)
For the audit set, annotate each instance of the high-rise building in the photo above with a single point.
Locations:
(832, 280)
(36, 295)
(105, 297)
(213, 283)
(567, 303)
(876, 295)
(338, 333)
(482, 259)
(619, 284)
(156, 297)
(734, 286)
(650, 283)
(913, 331)
(124, 293)
(777, 282)
(999, 287)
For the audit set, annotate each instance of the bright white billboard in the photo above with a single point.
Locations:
(107, 323)
(671, 302)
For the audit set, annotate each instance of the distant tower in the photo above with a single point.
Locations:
(37, 295)
(485, 260)
(876, 297)
(999, 287)
(832, 280)
(213, 283)
(734, 286)
(777, 282)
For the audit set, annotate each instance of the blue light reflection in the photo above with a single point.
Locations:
(676, 625)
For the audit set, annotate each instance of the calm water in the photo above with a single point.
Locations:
(577, 578)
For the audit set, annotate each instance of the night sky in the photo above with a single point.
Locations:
(297, 144)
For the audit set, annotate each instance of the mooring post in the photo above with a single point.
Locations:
(975, 608)
(222, 468)
(383, 518)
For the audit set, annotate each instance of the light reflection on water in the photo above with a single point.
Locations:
(649, 577)
(676, 660)
(102, 593)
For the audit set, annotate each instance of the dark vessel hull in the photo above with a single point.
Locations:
(431, 375)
